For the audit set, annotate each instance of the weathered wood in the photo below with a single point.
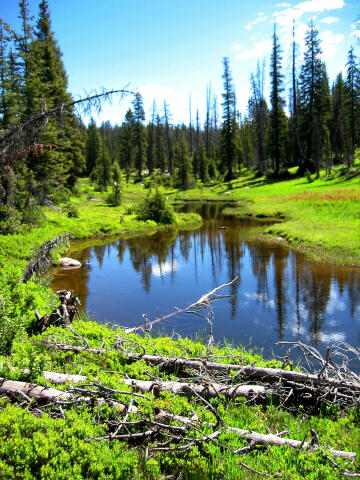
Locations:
(31, 390)
(43, 260)
(259, 438)
(246, 371)
(209, 390)
(61, 378)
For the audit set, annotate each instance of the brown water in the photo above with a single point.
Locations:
(278, 295)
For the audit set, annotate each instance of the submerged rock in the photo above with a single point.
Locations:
(68, 262)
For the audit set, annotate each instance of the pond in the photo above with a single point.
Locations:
(278, 294)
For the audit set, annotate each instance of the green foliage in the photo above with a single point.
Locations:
(10, 220)
(154, 207)
(114, 198)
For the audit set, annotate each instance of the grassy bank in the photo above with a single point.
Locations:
(321, 217)
(64, 447)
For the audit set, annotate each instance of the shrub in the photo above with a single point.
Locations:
(10, 220)
(154, 207)
(72, 211)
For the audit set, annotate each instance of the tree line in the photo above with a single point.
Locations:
(317, 128)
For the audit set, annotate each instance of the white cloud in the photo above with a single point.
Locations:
(356, 34)
(333, 337)
(329, 20)
(258, 50)
(165, 268)
(285, 17)
(261, 17)
(329, 40)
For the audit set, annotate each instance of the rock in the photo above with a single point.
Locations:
(68, 262)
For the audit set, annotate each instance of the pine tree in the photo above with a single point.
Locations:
(127, 144)
(277, 114)
(353, 99)
(115, 196)
(314, 104)
(159, 149)
(227, 143)
(183, 163)
(169, 146)
(340, 139)
(139, 134)
(203, 163)
(151, 141)
(93, 146)
(258, 111)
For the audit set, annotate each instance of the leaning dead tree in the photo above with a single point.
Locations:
(203, 303)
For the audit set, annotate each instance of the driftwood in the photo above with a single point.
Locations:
(42, 261)
(63, 315)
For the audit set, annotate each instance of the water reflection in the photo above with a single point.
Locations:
(278, 293)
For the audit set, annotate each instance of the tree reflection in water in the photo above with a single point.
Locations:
(278, 294)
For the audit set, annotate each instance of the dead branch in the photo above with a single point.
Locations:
(201, 304)
(63, 315)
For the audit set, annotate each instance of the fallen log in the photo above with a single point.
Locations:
(43, 260)
(31, 390)
(247, 371)
(209, 390)
(42, 394)
(259, 438)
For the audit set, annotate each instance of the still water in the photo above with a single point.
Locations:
(279, 295)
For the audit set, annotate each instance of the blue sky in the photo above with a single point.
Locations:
(170, 49)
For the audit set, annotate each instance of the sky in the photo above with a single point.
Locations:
(171, 50)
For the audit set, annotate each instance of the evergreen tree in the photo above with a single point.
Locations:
(159, 149)
(151, 141)
(339, 128)
(227, 141)
(277, 114)
(258, 111)
(139, 134)
(353, 99)
(169, 146)
(183, 163)
(127, 144)
(93, 146)
(314, 104)
(203, 163)
(115, 196)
